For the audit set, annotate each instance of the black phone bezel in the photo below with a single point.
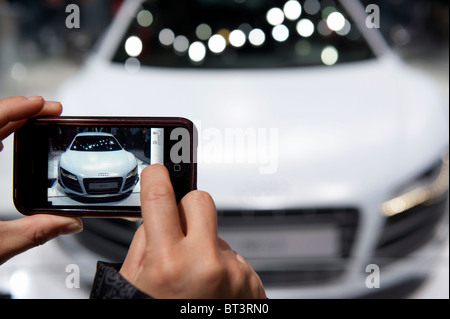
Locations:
(30, 176)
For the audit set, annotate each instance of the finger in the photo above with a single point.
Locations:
(19, 235)
(17, 108)
(135, 256)
(51, 108)
(240, 258)
(223, 245)
(198, 211)
(254, 285)
(159, 207)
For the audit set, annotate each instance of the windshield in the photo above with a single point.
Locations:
(241, 34)
(95, 144)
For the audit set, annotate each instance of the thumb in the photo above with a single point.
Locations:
(17, 236)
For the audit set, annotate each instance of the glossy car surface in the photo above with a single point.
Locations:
(325, 153)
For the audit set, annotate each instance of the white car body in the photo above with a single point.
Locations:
(348, 136)
(97, 166)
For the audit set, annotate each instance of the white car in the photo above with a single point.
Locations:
(96, 165)
(324, 152)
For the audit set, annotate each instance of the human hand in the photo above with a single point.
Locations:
(19, 235)
(16, 110)
(176, 252)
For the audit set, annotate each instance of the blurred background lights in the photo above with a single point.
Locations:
(203, 31)
(181, 44)
(346, 29)
(144, 18)
(19, 71)
(327, 11)
(303, 47)
(305, 28)
(329, 55)
(19, 283)
(311, 6)
(323, 28)
(166, 37)
(133, 46)
(225, 33)
(292, 10)
(237, 38)
(132, 65)
(197, 51)
(246, 28)
(335, 21)
(217, 43)
(257, 37)
(280, 33)
(275, 16)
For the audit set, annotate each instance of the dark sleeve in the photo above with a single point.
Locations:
(110, 284)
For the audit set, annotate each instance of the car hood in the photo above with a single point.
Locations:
(91, 164)
(322, 134)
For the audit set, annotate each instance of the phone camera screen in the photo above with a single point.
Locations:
(98, 165)
(92, 166)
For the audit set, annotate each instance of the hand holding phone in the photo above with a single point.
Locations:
(21, 234)
(16, 110)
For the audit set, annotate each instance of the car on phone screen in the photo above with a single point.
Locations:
(96, 165)
(326, 155)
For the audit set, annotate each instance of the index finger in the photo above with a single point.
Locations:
(51, 108)
(18, 108)
(159, 207)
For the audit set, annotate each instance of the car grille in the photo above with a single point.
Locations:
(102, 186)
(110, 238)
(408, 231)
(294, 270)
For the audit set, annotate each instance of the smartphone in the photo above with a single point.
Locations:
(90, 166)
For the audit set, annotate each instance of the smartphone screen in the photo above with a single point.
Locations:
(93, 165)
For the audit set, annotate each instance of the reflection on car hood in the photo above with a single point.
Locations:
(91, 164)
(338, 126)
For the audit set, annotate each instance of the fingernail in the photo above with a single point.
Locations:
(35, 98)
(72, 229)
(53, 103)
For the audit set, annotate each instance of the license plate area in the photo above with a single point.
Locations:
(315, 242)
(102, 186)
(326, 233)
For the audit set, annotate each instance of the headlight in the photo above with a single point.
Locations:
(133, 172)
(68, 174)
(423, 190)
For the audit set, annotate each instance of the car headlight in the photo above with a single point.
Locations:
(133, 172)
(68, 174)
(429, 186)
